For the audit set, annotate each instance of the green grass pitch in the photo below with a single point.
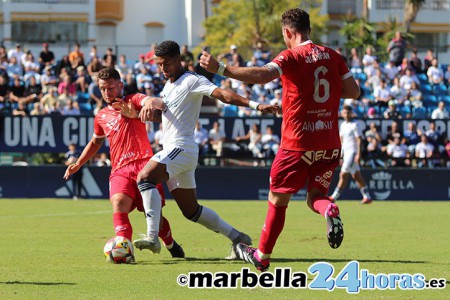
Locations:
(53, 249)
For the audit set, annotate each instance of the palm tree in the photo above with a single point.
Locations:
(411, 10)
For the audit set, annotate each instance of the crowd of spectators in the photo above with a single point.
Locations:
(400, 88)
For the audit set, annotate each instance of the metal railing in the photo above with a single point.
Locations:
(52, 1)
(400, 4)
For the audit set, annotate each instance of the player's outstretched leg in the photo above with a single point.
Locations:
(335, 228)
(165, 234)
(250, 255)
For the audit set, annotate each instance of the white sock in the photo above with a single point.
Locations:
(211, 220)
(365, 192)
(151, 201)
(337, 192)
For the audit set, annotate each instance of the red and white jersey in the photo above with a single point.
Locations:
(312, 78)
(127, 137)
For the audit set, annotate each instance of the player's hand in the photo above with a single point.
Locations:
(272, 109)
(208, 62)
(152, 109)
(126, 109)
(71, 169)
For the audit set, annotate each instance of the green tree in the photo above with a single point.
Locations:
(358, 31)
(411, 10)
(246, 22)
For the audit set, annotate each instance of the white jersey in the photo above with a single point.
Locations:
(183, 99)
(349, 132)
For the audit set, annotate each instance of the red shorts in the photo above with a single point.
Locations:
(123, 180)
(291, 170)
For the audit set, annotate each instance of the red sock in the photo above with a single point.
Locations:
(320, 204)
(276, 215)
(165, 233)
(122, 225)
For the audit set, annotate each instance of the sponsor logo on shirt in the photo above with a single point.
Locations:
(319, 125)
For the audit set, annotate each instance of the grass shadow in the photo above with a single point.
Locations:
(37, 283)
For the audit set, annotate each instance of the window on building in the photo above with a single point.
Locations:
(54, 32)
(437, 41)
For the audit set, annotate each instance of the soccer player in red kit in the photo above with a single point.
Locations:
(130, 151)
(314, 78)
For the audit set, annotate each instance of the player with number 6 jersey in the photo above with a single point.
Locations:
(314, 78)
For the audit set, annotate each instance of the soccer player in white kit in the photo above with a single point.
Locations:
(351, 147)
(180, 104)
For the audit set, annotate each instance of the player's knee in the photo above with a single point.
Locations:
(143, 175)
(194, 214)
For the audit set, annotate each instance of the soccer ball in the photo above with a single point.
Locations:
(119, 250)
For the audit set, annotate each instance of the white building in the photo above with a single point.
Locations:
(130, 26)
(431, 27)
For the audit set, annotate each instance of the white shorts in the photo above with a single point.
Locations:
(180, 166)
(348, 163)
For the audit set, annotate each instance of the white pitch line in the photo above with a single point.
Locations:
(58, 215)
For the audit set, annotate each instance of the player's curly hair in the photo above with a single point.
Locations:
(167, 48)
(108, 73)
(296, 18)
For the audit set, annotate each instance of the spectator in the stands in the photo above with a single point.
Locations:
(435, 73)
(17, 91)
(201, 139)
(424, 152)
(46, 57)
(71, 108)
(427, 60)
(398, 153)
(93, 53)
(123, 67)
(355, 62)
(392, 112)
(405, 65)
(368, 58)
(254, 137)
(394, 133)
(33, 91)
(94, 66)
(397, 48)
(130, 86)
(37, 110)
(397, 92)
(374, 80)
(14, 68)
(159, 139)
(270, 143)
(48, 79)
(95, 95)
(382, 94)
(103, 161)
(391, 71)
(372, 113)
(407, 80)
(49, 100)
(21, 109)
(144, 80)
(186, 56)
(233, 57)
(110, 58)
(435, 137)
(67, 86)
(414, 95)
(447, 76)
(415, 62)
(412, 137)
(440, 112)
(216, 138)
(277, 98)
(82, 80)
(76, 57)
(373, 132)
(16, 52)
(262, 56)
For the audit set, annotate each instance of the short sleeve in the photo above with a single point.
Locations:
(344, 72)
(98, 130)
(203, 86)
(282, 62)
(137, 100)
